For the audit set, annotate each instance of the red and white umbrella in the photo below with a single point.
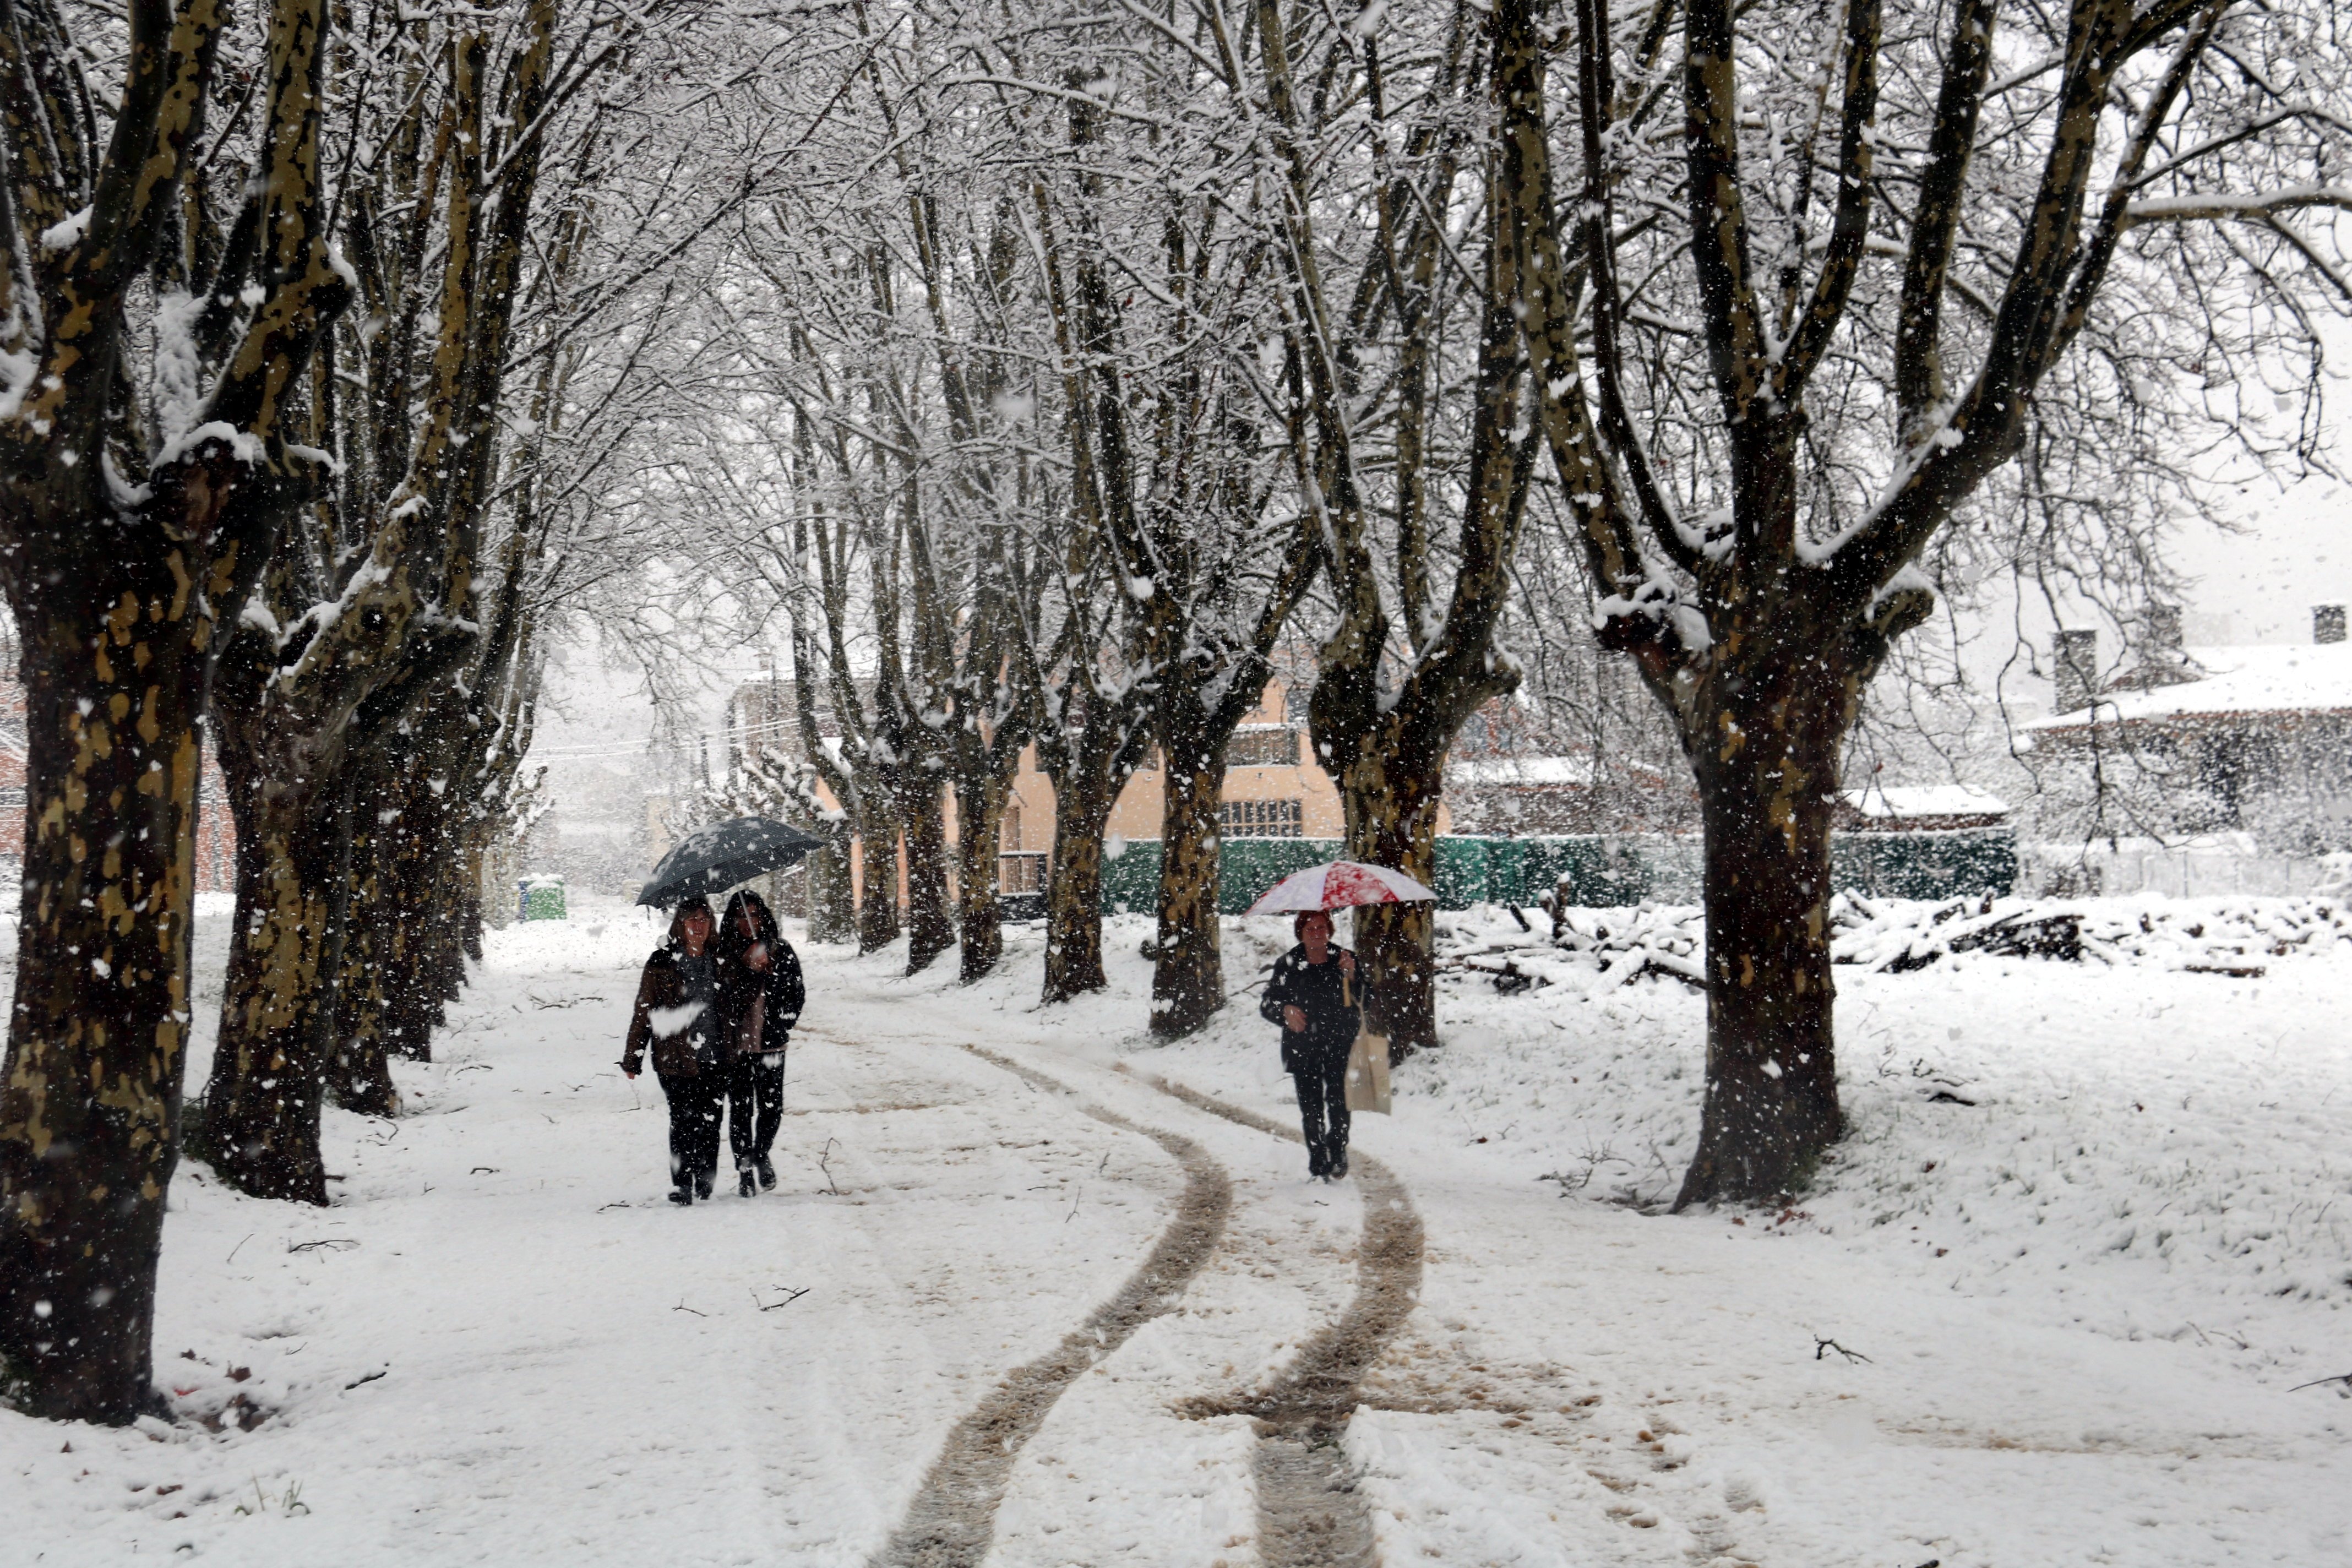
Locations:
(1339, 885)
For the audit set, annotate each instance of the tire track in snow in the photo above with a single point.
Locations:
(952, 1520)
(1309, 1514)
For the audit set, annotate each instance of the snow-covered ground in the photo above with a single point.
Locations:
(2089, 1233)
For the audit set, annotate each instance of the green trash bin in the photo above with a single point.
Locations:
(540, 898)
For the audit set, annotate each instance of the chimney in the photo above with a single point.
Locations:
(2328, 623)
(2075, 655)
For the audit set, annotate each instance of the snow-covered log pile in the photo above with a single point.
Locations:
(1615, 946)
(2222, 936)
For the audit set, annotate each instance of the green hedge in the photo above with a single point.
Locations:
(1601, 869)
(1925, 865)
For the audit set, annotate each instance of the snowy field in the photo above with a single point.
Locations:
(2090, 1232)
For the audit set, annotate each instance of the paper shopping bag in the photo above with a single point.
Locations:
(1368, 1073)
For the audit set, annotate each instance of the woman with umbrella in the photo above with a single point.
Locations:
(1312, 994)
(760, 994)
(677, 1015)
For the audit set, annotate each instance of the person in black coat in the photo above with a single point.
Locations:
(760, 994)
(1311, 994)
(677, 1015)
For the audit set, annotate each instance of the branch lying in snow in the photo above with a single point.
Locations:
(1616, 946)
(1822, 1347)
(788, 1301)
(682, 1306)
(2343, 1377)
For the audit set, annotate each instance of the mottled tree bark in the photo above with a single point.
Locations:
(1389, 789)
(268, 1076)
(877, 891)
(90, 1108)
(1188, 974)
(1074, 961)
(1099, 765)
(1767, 770)
(833, 911)
(980, 837)
(931, 928)
(359, 1070)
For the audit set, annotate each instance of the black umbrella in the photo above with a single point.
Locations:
(711, 859)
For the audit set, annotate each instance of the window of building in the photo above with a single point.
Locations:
(1259, 818)
(1263, 746)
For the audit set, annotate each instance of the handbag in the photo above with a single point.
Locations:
(1368, 1067)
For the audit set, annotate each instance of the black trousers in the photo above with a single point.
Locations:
(755, 1107)
(1323, 1113)
(694, 1106)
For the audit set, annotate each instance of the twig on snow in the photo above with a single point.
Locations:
(788, 1301)
(333, 1243)
(239, 1246)
(823, 1163)
(2343, 1377)
(370, 1378)
(1823, 1347)
(682, 1306)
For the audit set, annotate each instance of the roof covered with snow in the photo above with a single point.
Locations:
(2283, 678)
(1906, 801)
(1521, 771)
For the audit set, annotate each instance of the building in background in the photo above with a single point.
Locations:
(2200, 769)
(215, 855)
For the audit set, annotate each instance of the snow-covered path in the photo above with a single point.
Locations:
(500, 1346)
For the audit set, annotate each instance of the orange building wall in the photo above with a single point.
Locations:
(1029, 815)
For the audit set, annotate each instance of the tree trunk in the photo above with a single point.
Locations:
(1187, 976)
(359, 1073)
(398, 929)
(931, 929)
(89, 1103)
(833, 912)
(1074, 962)
(1766, 758)
(980, 836)
(1389, 789)
(878, 893)
(261, 1105)
(359, 1066)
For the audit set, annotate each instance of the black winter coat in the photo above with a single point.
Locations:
(786, 992)
(661, 1019)
(1315, 990)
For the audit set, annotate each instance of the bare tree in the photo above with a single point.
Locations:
(1881, 281)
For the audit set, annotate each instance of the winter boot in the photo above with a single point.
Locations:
(681, 1196)
(767, 1174)
(746, 1186)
